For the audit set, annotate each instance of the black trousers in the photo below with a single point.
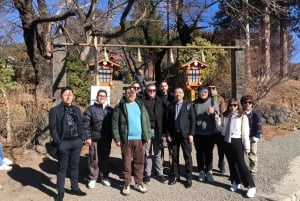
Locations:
(68, 152)
(177, 141)
(239, 171)
(219, 139)
(204, 145)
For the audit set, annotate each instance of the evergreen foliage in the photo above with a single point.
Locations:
(7, 77)
(77, 78)
(217, 59)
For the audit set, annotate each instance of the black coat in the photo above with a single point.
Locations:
(159, 112)
(58, 123)
(97, 122)
(187, 119)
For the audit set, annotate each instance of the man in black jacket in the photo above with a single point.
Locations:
(97, 123)
(181, 129)
(168, 97)
(66, 129)
(155, 107)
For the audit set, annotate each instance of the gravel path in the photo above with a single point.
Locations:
(35, 180)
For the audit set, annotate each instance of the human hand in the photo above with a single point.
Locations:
(169, 138)
(118, 144)
(190, 139)
(88, 141)
(211, 110)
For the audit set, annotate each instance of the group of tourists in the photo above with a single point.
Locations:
(145, 122)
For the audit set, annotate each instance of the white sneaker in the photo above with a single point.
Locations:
(6, 161)
(5, 167)
(251, 192)
(234, 187)
(126, 190)
(209, 176)
(92, 184)
(201, 176)
(106, 182)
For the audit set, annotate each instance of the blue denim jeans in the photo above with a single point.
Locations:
(1, 155)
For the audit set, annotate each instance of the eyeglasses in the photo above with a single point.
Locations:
(248, 102)
(213, 88)
(203, 92)
(233, 105)
(101, 96)
(151, 90)
(136, 88)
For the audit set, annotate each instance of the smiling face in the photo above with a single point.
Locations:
(247, 105)
(233, 106)
(179, 94)
(130, 94)
(203, 93)
(101, 98)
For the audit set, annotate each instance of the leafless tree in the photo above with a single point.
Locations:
(37, 23)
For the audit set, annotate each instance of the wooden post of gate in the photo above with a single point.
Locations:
(59, 68)
(238, 72)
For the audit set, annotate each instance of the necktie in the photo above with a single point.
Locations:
(228, 132)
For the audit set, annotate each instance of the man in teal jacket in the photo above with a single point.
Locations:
(131, 130)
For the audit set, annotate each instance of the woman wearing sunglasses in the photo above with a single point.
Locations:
(234, 126)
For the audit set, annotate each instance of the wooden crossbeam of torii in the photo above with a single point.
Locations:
(152, 46)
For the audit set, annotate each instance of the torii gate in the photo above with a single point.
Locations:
(237, 61)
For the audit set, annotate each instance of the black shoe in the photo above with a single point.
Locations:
(173, 180)
(59, 197)
(146, 179)
(162, 179)
(188, 183)
(78, 192)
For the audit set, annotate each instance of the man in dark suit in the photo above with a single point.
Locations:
(181, 129)
(66, 129)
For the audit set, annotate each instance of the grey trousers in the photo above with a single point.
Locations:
(153, 155)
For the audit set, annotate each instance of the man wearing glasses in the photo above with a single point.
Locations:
(255, 125)
(215, 97)
(155, 107)
(97, 123)
(138, 88)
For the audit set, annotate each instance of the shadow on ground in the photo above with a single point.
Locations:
(27, 176)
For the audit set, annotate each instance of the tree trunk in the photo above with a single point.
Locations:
(8, 128)
(265, 46)
(283, 41)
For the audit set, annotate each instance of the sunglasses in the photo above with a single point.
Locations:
(233, 105)
(248, 102)
(213, 88)
(136, 88)
(151, 90)
(203, 92)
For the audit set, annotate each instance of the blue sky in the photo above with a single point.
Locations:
(295, 57)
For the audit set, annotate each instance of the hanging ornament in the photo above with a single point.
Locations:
(139, 56)
(105, 55)
(96, 53)
(171, 56)
(202, 56)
